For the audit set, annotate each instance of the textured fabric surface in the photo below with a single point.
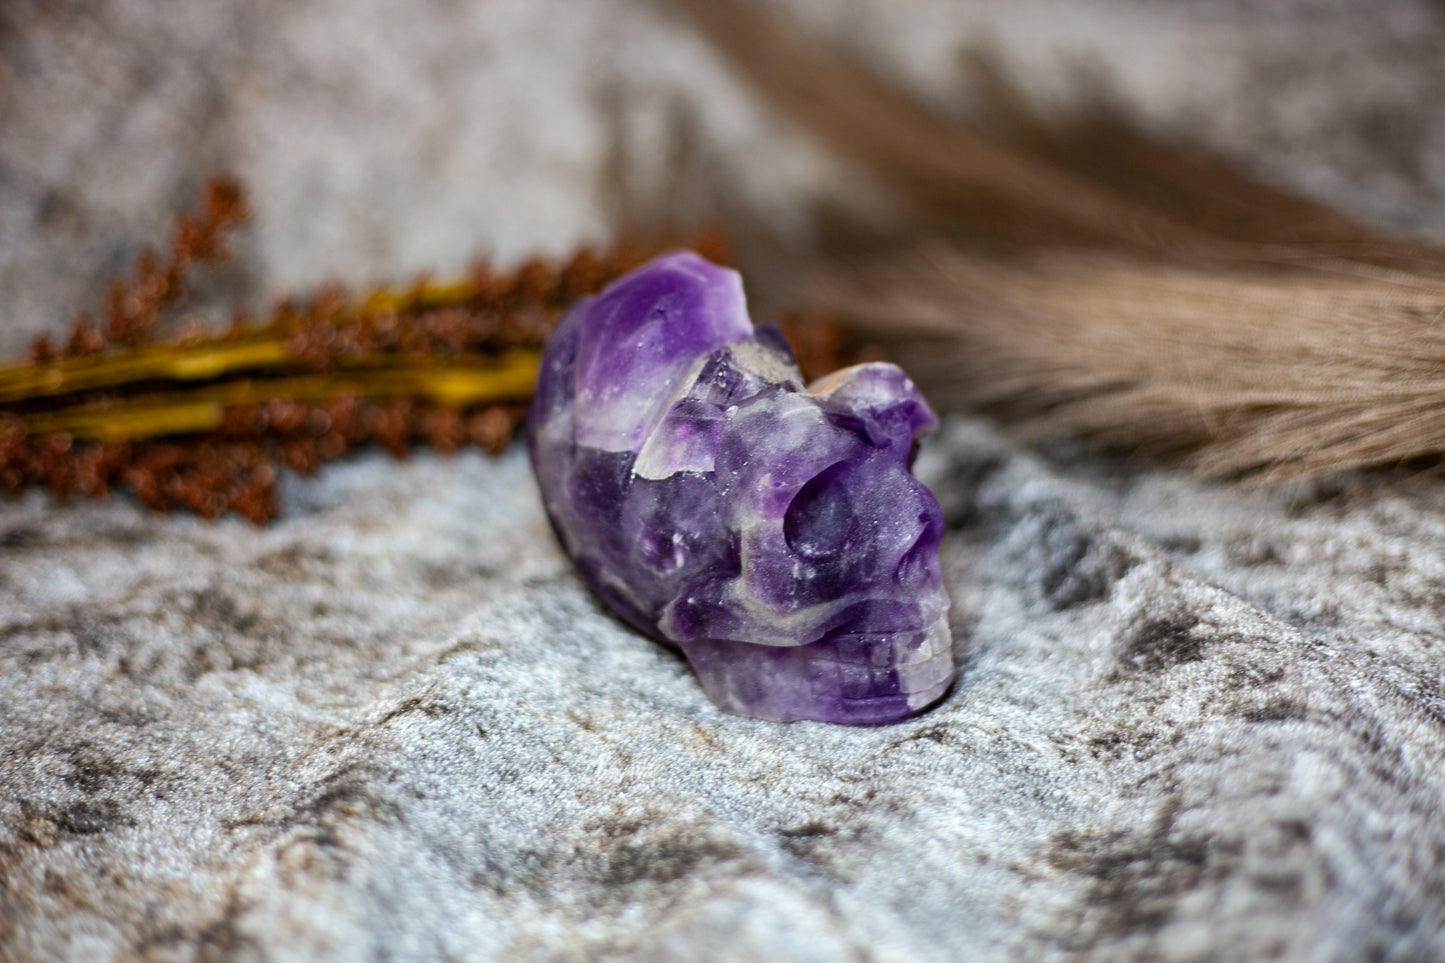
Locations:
(1191, 722)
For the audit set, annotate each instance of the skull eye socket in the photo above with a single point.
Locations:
(819, 519)
(921, 558)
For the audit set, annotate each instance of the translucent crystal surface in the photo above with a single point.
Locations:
(771, 531)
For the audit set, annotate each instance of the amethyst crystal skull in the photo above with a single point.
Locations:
(772, 532)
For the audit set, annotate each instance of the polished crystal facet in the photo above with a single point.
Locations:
(771, 531)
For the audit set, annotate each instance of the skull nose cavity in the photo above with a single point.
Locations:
(818, 520)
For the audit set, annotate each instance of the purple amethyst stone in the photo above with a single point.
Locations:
(771, 531)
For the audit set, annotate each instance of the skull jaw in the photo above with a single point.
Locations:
(857, 679)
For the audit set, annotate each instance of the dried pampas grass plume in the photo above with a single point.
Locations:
(1076, 275)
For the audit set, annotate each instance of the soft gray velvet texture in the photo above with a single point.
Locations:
(1192, 722)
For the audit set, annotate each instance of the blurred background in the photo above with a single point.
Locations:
(379, 139)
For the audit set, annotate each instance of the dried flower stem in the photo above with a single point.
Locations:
(156, 415)
(204, 422)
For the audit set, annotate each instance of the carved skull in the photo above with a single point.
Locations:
(771, 531)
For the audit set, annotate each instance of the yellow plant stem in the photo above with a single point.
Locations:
(454, 383)
(210, 360)
(425, 296)
(264, 347)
